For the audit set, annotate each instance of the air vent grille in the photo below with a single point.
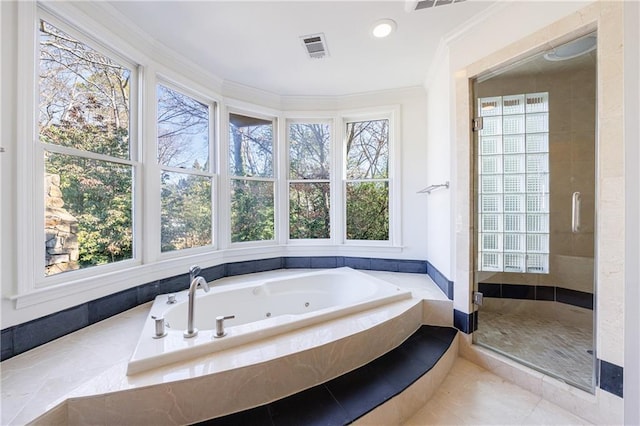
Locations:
(315, 46)
(425, 4)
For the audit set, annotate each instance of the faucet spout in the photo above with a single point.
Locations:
(198, 281)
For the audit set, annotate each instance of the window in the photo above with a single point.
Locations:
(367, 180)
(513, 187)
(309, 180)
(89, 165)
(185, 158)
(251, 170)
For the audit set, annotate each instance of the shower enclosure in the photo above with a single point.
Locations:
(534, 215)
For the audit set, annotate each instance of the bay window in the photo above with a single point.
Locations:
(309, 180)
(185, 156)
(89, 164)
(252, 178)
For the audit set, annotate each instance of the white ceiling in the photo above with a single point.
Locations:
(257, 43)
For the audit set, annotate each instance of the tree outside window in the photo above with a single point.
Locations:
(184, 157)
(251, 169)
(367, 180)
(309, 180)
(83, 127)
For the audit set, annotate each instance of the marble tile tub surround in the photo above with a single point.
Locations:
(42, 379)
(350, 396)
(22, 337)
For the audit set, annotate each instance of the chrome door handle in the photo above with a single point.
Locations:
(575, 212)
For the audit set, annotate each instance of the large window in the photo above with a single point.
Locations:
(513, 187)
(84, 131)
(309, 180)
(251, 170)
(367, 180)
(185, 158)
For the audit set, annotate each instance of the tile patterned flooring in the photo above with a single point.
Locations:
(471, 395)
(555, 347)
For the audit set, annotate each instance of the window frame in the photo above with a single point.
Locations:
(35, 180)
(332, 180)
(212, 173)
(238, 108)
(391, 113)
(149, 69)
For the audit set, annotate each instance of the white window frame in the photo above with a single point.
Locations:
(148, 264)
(333, 173)
(31, 157)
(392, 114)
(239, 108)
(212, 173)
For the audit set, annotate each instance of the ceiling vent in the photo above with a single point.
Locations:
(426, 4)
(315, 46)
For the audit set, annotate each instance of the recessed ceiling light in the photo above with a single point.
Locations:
(383, 28)
(573, 49)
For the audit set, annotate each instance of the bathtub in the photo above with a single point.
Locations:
(261, 309)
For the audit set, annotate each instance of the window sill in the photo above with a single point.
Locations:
(86, 288)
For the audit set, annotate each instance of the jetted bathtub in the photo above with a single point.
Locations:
(261, 308)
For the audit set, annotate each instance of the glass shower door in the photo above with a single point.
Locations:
(534, 215)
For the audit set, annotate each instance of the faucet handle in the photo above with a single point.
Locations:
(160, 327)
(220, 325)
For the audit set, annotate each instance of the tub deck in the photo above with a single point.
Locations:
(47, 379)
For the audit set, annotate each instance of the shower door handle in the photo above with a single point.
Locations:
(575, 212)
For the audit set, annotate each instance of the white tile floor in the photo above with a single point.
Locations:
(471, 395)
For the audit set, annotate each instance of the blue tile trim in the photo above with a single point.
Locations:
(358, 262)
(22, 337)
(438, 277)
(297, 262)
(112, 304)
(531, 292)
(467, 323)
(7, 343)
(240, 268)
(611, 377)
(42, 330)
(574, 297)
(324, 262)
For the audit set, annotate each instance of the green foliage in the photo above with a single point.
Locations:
(186, 211)
(98, 194)
(309, 210)
(252, 211)
(84, 105)
(368, 211)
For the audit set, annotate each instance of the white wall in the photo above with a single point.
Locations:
(632, 216)
(437, 164)
(510, 32)
(138, 47)
(499, 26)
(8, 158)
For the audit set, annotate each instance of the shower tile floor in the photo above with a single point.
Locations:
(563, 350)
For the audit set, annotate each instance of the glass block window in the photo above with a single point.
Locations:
(513, 183)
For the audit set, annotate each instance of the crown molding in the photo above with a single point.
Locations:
(143, 48)
(442, 51)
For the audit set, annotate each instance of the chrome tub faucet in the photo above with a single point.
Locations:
(196, 281)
